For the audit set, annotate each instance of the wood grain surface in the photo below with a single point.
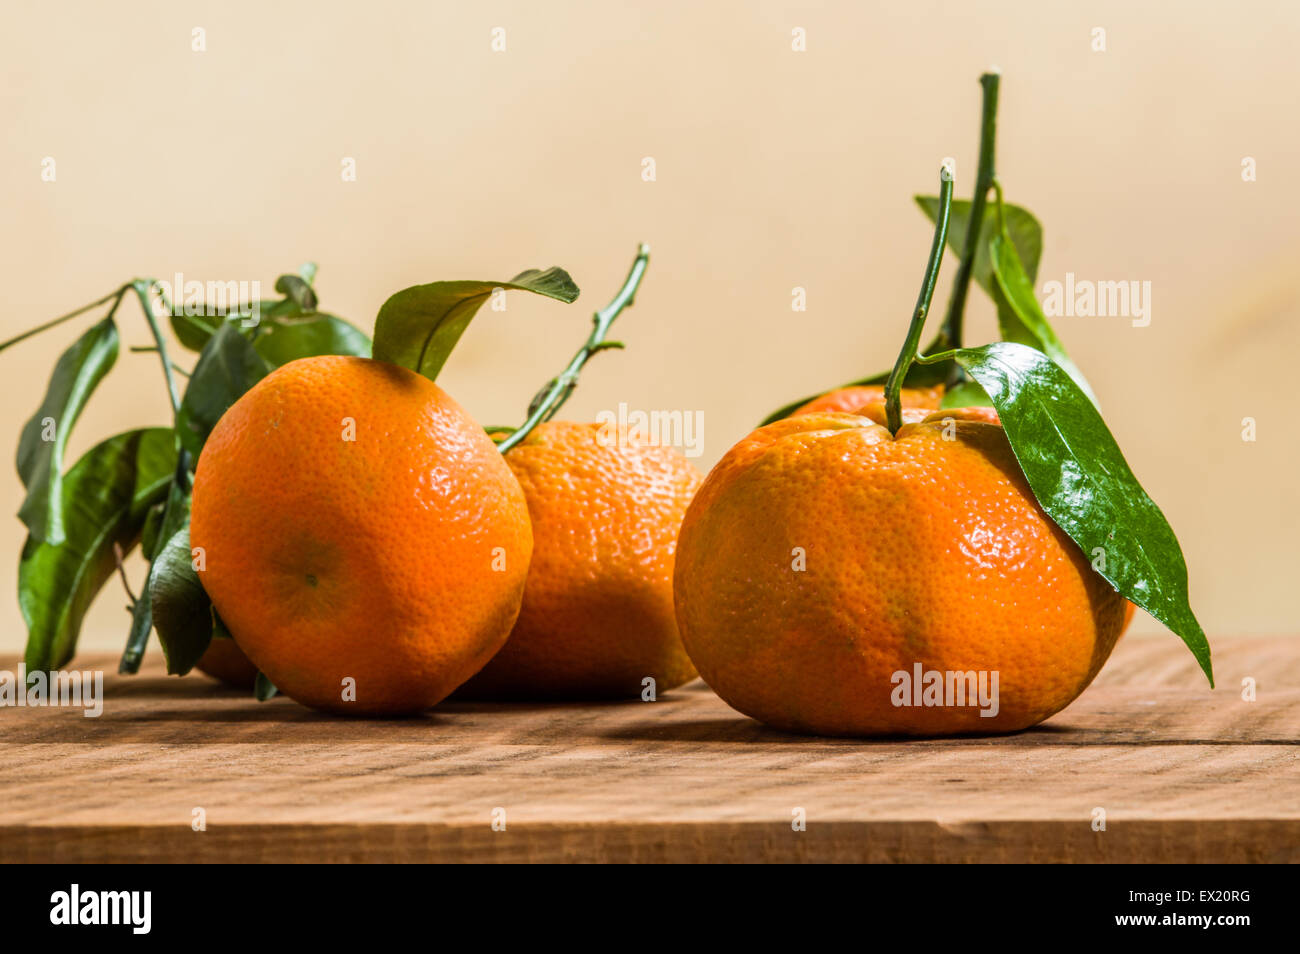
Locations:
(1184, 774)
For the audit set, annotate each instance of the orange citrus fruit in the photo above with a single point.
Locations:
(828, 572)
(360, 535)
(916, 406)
(597, 618)
(224, 661)
(853, 399)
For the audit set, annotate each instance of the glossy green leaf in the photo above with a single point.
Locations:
(45, 436)
(182, 611)
(1025, 232)
(1020, 317)
(228, 366)
(106, 494)
(282, 342)
(1080, 478)
(965, 394)
(419, 326)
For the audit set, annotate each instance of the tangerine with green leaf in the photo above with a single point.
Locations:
(917, 405)
(903, 571)
(597, 620)
(361, 537)
(917, 549)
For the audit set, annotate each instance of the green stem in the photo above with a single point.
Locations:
(138, 639)
(1002, 220)
(551, 397)
(117, 303)
(952, 325)
(147, 349)
(142, 288)
(118, 293)
(121, 572)
(894, 386)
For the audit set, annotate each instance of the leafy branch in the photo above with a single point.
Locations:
(133, 489)
(1071, 461)
(555, 392)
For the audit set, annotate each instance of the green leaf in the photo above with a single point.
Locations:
(1019, 316)
(106, 494)
(1025, 232)
(419, 326)
(264, 688)
(182, 612)
(199, 329)
(175, 515)
(298, 290)
(1080, 478)
(194, 331)
(282, 342)
(152, 527)
(965, 394)
(228, 366)
(141, 627)
(45, 437)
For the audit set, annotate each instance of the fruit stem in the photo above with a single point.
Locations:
(555, 392)
(952, 325)
(143, 286)
(138, 639)
(894, 386)
(118, 556)
(150, 349)
(118, 293)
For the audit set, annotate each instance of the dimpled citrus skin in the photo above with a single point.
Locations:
(915, 405)
(396, 559)
(598, 615)
(918, 550)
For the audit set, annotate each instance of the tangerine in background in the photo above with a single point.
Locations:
(597, 618)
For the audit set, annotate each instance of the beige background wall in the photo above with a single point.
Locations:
(775, 169)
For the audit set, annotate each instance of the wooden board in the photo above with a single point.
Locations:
(1183, 774)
